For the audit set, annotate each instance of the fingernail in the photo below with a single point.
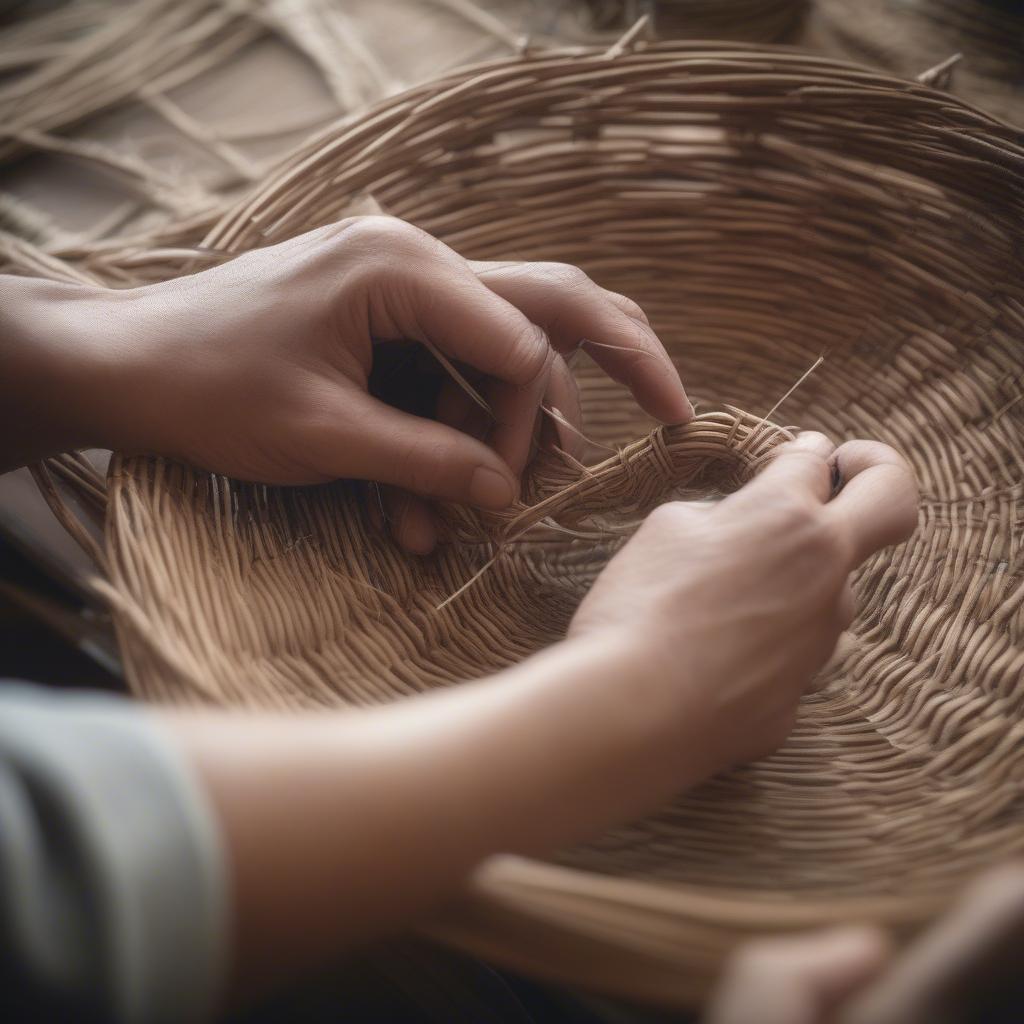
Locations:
(491, 489)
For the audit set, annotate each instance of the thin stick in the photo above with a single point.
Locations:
(618, 348)
(554, 413)
(771, 412)
(1005, 408)
(573, 460)
(627, 39)
(472, 579)
(579, 534)
(457, 377)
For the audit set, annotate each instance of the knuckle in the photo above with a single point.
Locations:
(529, 356)
(814, 461)
(565, 274)
(632, 309)
(379, 231)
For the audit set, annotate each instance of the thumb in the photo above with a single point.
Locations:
(389, 446)
(797, 979)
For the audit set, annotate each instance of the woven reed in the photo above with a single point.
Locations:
(765, 207)
(60, 68)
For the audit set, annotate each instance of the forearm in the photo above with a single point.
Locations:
(63, 373)
(342, 826)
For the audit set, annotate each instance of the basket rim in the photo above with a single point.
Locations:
(374, 125)
(523, 913)
(518, 891)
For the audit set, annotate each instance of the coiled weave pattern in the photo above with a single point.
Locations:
(765, 208)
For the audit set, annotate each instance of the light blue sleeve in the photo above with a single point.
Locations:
(112, 879)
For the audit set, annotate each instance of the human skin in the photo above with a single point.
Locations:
(966, 967)
(688, 656)
(259, 368)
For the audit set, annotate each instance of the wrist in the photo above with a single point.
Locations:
(67, 373)
(583, 736)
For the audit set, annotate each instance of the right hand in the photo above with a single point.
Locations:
(727, 613)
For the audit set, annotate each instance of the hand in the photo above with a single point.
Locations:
(729, 612)
(965, 967)
(270, 367)
(707, 626)
(798, 979)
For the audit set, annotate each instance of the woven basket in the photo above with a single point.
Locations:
(765, 208)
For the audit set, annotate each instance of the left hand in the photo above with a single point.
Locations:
(269, 367)
(965, 967)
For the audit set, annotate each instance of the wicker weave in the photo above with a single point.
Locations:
(765, 207)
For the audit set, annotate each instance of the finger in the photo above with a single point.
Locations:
(846, 643)
(515, 409)
(375, 508)
(564, 414)
(969, 960)
(574, 310)
(628, 306)
(800, 469)
(797, 979)
(368, 440)
(501, 276)
(457, 409)
(411, 521)
(508, 422)
(419, 289)
(877, 505)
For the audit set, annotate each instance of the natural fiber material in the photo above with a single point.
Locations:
(911, 36)
(766, 208)
(61, 68)
(298, 578)
(95, 56)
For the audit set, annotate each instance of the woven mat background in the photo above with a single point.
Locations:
(131, 124)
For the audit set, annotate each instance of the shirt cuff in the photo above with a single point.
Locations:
(112, 874)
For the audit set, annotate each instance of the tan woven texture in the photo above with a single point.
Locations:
(765, 208)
